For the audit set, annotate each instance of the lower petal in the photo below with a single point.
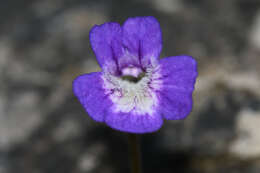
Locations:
(89, 90)
(134, 123)
(178, 75)
(175, 105)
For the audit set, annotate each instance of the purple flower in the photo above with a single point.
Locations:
(135, 90)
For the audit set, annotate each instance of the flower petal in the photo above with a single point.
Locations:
(143, 39)
(105, 40)
(134, 123)
(88, 88)
(179, 75)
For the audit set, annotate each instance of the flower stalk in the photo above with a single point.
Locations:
(135, 153)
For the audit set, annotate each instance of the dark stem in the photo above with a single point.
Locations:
(135, 153)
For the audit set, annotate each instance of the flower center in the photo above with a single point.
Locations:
(133, 79)
(132, 74)
(131, 71)
(131, 92)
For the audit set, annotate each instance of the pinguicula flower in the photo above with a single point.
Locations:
(135, 90)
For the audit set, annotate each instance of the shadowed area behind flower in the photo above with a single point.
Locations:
(44, 45)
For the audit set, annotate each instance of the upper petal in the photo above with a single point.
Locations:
(178, 75)
(105, 40)
(89, 90)
(142, 39)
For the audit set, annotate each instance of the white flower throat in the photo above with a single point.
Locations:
(135, 91)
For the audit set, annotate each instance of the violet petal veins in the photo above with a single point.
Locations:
(135, 90)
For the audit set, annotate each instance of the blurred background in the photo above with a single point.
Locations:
(44, 45)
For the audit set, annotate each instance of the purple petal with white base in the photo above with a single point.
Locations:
(89, 90)
(135, 91)
(106, 43)
(179, 74)
(143, 39)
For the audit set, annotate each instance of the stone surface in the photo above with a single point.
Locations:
(247, 142)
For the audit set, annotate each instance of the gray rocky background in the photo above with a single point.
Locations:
(44, 45)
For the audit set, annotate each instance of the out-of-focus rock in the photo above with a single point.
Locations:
(247, 142)
(167, 6)
(20, 118)
(255, 32)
